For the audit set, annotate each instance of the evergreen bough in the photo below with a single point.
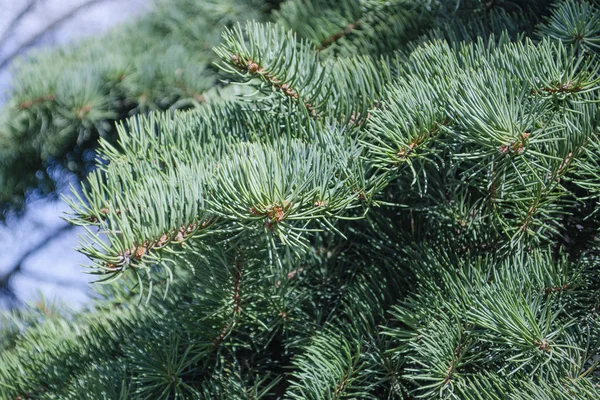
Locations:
(402, 203)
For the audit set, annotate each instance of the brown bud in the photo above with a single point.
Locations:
(254, 211)
(253, 67)
(279, 214)
(140, 252)
(163, 240)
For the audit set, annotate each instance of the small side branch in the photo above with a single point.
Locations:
(337, 36)
(237, 301)
(255, 69)
(237, 277)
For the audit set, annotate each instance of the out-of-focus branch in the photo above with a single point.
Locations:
(31, 41)
(5, 280)
(11, 26)
(54, 280)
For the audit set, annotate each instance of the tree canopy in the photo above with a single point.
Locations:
(371, 199)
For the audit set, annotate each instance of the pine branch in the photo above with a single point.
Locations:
(412, 241)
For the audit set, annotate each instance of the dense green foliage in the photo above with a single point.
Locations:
(401, 203)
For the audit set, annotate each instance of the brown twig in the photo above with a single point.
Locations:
(338, 35)
(255, 69)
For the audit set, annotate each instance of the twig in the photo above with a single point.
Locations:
(338, 35)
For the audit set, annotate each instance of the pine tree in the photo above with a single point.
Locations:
(401, 202)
